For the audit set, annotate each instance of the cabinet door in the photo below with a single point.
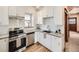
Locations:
(57, 44)
(36, 36)
(50, 11)
(41, 37)
(52, 45)
(59, 15)
(12, 10)
(44, 11)
(4, 16)
(4, 45)
(20, 11)
(48, 41)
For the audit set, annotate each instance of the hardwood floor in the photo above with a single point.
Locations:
(36, 48)
(73, 44)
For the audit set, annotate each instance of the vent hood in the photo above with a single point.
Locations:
(16, 17)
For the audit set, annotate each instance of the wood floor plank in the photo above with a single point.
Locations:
(36, 48)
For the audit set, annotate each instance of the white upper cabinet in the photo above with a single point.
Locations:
(20, 11)
(16, 11)
(45, 12)
(59, 15)
(48, 11)
(40, 17)
(12, 10)
(4, 16)
(57, 12)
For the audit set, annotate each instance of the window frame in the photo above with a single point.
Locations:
(30, 21)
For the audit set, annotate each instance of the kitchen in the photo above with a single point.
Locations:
(23, 26)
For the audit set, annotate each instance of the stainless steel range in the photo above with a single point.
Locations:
(17, 40)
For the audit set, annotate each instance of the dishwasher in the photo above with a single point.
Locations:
(30, 39)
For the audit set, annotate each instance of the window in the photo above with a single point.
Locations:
(72, 20)
(28, 20)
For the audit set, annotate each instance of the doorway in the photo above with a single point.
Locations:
(71, 34)
(72, 23)
(72, 45)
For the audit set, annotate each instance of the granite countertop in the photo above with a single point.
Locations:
(53, 33)
(56, 34)
(4, 36)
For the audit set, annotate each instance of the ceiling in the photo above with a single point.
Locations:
(37, 8)
(73, 9)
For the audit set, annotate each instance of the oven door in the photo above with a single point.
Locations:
(12, 46)
(23, 42)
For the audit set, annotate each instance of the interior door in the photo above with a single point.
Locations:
(72, 24)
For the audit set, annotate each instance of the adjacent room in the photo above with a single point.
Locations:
(72, 29)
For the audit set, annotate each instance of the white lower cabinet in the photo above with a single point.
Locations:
(4, 45)
(39, 36)
(51, 42)
(48, 41)
(55, 44)
(36, 36)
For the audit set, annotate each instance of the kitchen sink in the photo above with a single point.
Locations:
(47, 31)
